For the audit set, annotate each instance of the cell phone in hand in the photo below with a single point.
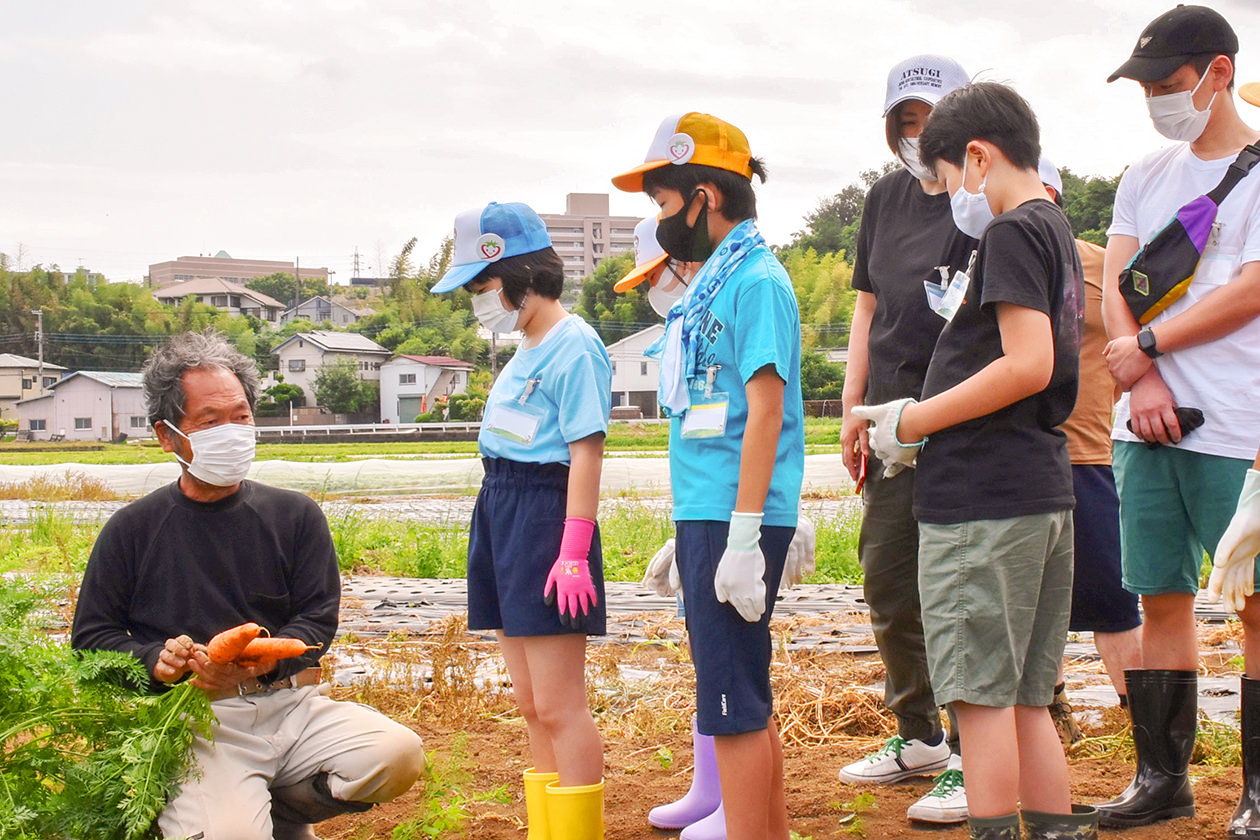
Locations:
(1188, 419)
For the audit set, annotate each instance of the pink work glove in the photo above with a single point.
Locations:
(569, 586)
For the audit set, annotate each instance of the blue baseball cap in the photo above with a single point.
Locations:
(488, 234)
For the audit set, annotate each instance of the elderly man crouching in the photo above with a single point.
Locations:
(212, 551)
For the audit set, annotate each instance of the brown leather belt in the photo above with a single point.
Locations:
(311, 676)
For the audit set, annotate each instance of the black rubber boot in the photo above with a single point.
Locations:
(994, 828)
(1164, 708)
(1081, 824)
(1246, 821)
(295, 807)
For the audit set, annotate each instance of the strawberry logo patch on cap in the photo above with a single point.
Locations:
(490, 247)
(681, 148)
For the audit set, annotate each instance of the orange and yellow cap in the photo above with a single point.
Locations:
(1250, 92)
(648, 255)
(692, 138)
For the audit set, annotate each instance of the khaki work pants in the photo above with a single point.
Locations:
(279, 739)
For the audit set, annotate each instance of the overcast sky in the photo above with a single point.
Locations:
(142, 131)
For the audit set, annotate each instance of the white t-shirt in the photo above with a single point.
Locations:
(1221, 377)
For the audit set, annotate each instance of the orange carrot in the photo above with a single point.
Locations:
(271, 649)
(226, 646)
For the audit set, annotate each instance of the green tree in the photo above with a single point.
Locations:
(1088, 202)
(833, 225)
(281, 284)
(824, 292)
(820, 379)
(615, 316)
(338, 387)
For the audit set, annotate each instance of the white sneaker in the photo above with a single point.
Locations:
(898, 759)
(946, 802)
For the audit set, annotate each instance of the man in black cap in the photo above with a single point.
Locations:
(1178, 489)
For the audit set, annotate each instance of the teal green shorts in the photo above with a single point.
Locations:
(1174, 506)
(996, 597)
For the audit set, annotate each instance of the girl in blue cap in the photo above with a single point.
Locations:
(535, 571)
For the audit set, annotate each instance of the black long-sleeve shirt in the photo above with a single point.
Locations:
(166, 565)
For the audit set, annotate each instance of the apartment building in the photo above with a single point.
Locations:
(585, 234)
(224, 267)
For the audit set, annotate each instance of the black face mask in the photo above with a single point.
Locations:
(683, 243)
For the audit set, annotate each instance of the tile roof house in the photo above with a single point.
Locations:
(302, 355)
(411, 384)
(232, 298)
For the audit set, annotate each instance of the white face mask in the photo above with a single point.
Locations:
(492, 314)
(667, 291)
(908, 154)
(221, 454)
(971, 211)
(1175, 116)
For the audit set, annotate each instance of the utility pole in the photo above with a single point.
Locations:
(297, 286)
(39, 338)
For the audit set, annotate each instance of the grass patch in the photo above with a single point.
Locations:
(820, 435)
(630, 535)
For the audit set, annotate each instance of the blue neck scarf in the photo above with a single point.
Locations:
(677, 347)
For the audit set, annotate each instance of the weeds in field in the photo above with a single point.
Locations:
(71, 487)
(50, 543)
(443, 800)
(1216, 744)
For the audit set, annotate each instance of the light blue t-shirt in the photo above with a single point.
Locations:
(753, 321)
(570, 397)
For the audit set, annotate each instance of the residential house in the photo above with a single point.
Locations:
(87, 405)
(232, 298)
(20, 380)
(302, 355)
(319, 309)
(635, 377)
(411, 384)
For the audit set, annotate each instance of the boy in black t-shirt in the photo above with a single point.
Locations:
(993, 492)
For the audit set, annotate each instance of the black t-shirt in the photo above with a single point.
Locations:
(905, 234)
(1013, 462)
(165, 565)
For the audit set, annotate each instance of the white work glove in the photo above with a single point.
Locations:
(883, 435)
(1234, 566)
(740, 577)
(662, 571)
(800, 554)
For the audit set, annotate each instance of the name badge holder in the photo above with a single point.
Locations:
(706, 417)
(946, 299)
(516, 420)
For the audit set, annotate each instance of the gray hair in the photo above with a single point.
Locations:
(164, 372)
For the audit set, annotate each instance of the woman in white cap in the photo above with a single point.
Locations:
(535, 572)
(907, 249)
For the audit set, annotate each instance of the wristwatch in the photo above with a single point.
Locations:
(1146, 343)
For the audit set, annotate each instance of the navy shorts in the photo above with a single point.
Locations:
(732, 656)
(515, 538)
(1099, 603)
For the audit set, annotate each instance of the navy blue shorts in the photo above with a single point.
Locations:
(1099, 603)
(515, 538)
(732, 656)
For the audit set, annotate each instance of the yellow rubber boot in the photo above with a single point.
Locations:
(576, 813)
(536, 803)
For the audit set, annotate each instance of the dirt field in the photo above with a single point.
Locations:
(828, 712)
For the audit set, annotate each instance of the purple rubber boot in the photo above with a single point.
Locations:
(705, 795)
(712, 827)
